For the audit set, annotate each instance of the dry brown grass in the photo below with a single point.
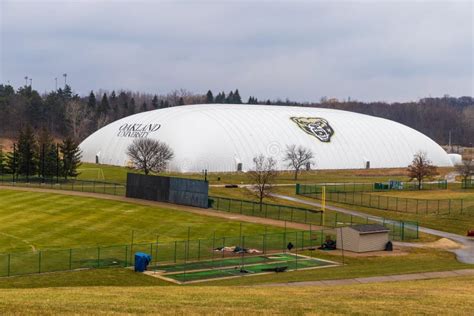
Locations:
(435, 297)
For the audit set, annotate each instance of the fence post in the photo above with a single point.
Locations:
(39, 261)
(279, 211)
(403, 230)
(70, 259)
(175, 251)
(126, 255)
(8, 265)
(199, 249)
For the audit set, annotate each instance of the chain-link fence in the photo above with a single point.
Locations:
(267, 210)
(176, 252)
(392, 203)
(399, 230)
(370, 187)
(91, 186)
(467, 184)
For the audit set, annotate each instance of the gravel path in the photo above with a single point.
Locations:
(380, 279)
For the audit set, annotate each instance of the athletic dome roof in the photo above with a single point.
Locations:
(218, 137)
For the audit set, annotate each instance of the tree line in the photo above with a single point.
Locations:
(40, 157)
(65, 113)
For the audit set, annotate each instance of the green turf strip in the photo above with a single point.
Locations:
(218, 262)
(250, 269)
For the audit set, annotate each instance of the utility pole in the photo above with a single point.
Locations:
(56, 84)
(65, 79)
(31, 83)
(26, 81)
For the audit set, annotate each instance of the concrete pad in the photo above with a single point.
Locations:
(340, 282)
(375, 279)
(441, 274)
(464, 272)
(307, 283)
(409, 277)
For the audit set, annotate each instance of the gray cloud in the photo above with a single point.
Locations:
(301, 50)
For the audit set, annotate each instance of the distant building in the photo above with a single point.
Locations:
(226, 137)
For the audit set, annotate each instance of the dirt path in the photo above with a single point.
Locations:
(194, 210)
(380, 279)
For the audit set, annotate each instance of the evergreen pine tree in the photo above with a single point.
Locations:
(27, 152)
(144, 107)
(131, 107)
(114, 106)
(162, 104)
(3, 161)
(230, 98)
(47, 155)
(71, 157)
(92, 102)
(104, 105)
(237, 98)
(154, 102)
(268, 102)
(181, 101)
(209, 97)
(11, 164)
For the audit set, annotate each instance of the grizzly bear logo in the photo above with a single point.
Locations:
(315, 126)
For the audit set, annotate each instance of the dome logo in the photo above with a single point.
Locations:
(315, 126)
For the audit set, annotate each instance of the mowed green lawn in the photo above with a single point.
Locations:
(47, 221)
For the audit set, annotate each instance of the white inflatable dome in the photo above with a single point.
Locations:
(226, 137)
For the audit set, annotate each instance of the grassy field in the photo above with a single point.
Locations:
(444, 296)
(109, 173)
(44, 220)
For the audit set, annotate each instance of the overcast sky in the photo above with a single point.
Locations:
(303, 50)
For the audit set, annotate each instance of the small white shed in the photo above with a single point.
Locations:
(362, 238)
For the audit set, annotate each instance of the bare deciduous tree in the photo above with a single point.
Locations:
(262, 177)
(465, 169)
(421, 168)
(76, 115)
(149, 155)
(298, 157)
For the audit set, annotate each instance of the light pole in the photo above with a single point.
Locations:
(56, 83)
(26, 81)
(65, 79)
(31, 83)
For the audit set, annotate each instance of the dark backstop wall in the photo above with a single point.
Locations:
(166, 189)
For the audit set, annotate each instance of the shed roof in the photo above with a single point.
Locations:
(370, 228)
